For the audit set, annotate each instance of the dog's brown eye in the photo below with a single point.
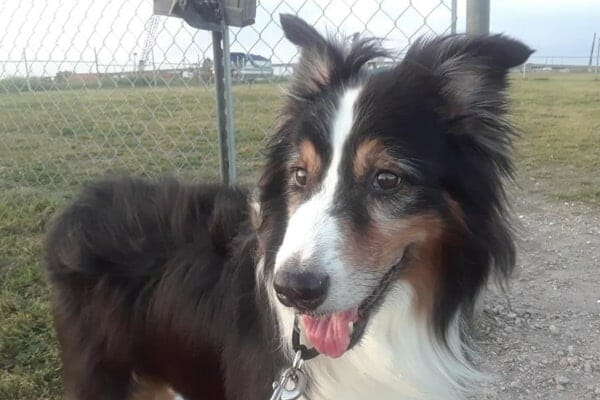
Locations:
(300, 176)
(386, 180)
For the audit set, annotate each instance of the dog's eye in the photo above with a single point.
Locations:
(300, 176)
(386, 180)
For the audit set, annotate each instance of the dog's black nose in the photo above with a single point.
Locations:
(303, 290)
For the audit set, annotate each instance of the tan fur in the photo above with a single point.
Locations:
(320, 73)
(384, 241)
(371, 155)
(307, 158)
(366, 157)
(147, 389)
(322, 68)
(456, 212)
(383, 244)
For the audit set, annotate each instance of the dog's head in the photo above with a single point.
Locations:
(373, 179)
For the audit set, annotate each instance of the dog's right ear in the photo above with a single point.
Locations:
(324, 60)
(317, 57)
(300, 33)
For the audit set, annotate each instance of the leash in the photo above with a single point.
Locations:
(292, 381)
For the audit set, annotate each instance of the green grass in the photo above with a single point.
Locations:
(51, 143)
(558, 154)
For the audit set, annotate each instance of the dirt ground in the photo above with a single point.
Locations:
(542, 341)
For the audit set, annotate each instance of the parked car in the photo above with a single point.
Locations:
(250, 67)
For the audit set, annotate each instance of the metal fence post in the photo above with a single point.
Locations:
(454, 16)
(222, 67)
(231, 153)
(27, 77)
(478, 16)
(597, 60)
(98, 74)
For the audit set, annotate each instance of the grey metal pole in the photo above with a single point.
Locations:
(478, 16)
(592, 51)
(27, 71)
(597, 60)
(98, 77)
(454, 17)
(229, 108)
(224, 108)
(153, 67)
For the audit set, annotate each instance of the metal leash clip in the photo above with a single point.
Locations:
(292, 383)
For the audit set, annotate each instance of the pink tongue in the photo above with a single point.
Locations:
(330, 334)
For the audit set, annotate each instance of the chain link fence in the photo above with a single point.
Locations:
(540, 65)
(91, 88)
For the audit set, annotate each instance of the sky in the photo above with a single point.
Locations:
(68, 35)
(552, 27)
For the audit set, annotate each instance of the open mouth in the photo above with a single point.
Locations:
(334, 334)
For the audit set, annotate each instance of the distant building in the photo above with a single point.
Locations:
(250, 67)
(82, 77)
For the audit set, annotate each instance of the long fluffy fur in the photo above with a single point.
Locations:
(174, 283)
(158, 279)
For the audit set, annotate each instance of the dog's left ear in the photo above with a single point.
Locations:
(470, 71)
(469, 74)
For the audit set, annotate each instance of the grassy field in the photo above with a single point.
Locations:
(559, 152)
(51, 143)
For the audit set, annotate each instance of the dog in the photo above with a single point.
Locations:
(378, 219)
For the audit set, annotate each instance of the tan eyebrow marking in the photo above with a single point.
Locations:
(372, 154)
(306, 157)
(366, 155)
(309, 158)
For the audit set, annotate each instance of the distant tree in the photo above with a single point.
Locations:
(207, 64)
(63, 76)
(206, 70)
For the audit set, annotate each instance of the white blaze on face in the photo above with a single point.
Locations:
(313, 233)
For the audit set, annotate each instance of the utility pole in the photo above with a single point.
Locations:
(222, 57)
(154, 72)
(134, 76)
(98, 77)
(27, 71)
(454, 17)
(592, 52)
(478, 17)
(597, 60)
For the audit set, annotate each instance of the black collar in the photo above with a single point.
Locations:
(305, 352)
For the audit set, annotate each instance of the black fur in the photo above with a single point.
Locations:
(159, 278)
(441, 110)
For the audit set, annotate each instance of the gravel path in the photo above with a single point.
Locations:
(542, 341)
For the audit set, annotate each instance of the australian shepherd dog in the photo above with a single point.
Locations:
(378, 219)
